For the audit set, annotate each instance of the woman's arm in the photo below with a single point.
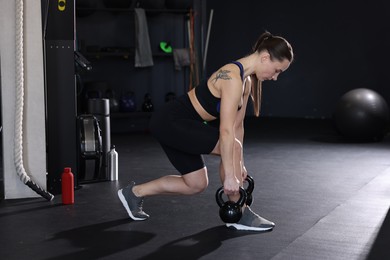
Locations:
(231, 94)
(239, 123)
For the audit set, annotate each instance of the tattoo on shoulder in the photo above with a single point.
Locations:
(222, 74)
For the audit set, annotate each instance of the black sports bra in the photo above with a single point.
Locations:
(207, 100)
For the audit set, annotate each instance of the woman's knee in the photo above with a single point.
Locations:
(197, 181)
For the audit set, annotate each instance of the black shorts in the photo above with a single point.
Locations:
(183, 134)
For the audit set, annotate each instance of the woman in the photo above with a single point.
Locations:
(182, 129)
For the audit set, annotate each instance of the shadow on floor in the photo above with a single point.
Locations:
(380, 247)
(27, 210)
(197, 245)
(99, 240)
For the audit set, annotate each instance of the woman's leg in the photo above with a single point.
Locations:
(187, 184)
(184, 138)
(132, 196)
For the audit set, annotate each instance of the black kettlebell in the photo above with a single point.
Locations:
(249, 190)
(147, 106)
(170, 96)
(114, 104)
(229, 211)
(128, 102)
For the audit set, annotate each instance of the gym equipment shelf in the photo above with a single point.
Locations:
(131, 10)
(106, 37)
(120, 54)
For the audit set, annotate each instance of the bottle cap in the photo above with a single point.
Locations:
(67, 169)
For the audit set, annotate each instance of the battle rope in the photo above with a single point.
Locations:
(19, 71)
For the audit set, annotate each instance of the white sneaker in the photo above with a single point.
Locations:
(252, 222)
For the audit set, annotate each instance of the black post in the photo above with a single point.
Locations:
(60, 86)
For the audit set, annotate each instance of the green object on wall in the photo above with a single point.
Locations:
(165, 47)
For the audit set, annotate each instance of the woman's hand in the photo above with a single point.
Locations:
(231, 186)
(244, 172)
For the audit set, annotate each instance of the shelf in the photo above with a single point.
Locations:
(131, 10)
(131, 114)
(106, 37)
(121, 54)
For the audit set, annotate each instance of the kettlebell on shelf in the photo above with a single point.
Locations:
(170, 96)
(114, 104)
(147, 106)
(127, 102)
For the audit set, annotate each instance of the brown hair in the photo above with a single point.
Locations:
(279, 49)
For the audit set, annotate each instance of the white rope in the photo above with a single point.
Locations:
(19, 93)
(19, 105)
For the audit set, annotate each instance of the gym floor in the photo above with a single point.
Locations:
(329, 199)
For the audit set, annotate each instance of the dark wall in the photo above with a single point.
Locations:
(338, 45)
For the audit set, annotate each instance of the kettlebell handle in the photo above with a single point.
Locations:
(221, 202)
(251, 184)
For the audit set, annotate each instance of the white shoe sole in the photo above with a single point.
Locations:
(124, 202)
(247, 228)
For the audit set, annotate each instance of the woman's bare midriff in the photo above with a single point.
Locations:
(198, 107)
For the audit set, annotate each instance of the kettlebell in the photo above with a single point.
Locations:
(230, 211)
(114, 104)
(147, 106)
(170, 96)
(249, 190)
(127, 102)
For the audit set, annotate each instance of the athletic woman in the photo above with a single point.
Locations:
(183, 128)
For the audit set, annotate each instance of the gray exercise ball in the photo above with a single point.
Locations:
(361, 114)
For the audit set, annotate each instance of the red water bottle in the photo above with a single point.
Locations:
(67, 180)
